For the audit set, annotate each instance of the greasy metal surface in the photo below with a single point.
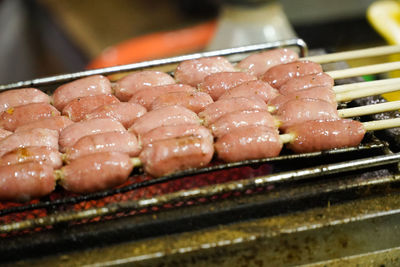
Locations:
(155, 63)
(315, 235)
(207, 192)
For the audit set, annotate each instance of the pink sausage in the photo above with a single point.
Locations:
(193, 71)
(170, 115)
(130, 84)
(4, 133)
(24, 181)
(96, 172)
(34, 137)
(298, 111)
(280, 74)
(313, 136)
(217, 84)
(77, 108)
(257, 64)
(251, 142)
(12, 118)
(252, 88)
(146, 97)
(19, 97)
(124, 142)
(221, 107)
(167, 156)
(195, 101)
(320, 93)
(242, 118)
(93, 85)
(57, 123)
(74, 132)
(124, 112)
(46, 155)
(306, 82)
(173, 131)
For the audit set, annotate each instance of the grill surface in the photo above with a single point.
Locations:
(195, 199)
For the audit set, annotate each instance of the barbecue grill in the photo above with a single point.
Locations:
(316, 208)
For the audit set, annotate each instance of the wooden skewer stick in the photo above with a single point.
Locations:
(367, 91)
(361, 53)
(362, 85)
(370, 109)
(364, 70)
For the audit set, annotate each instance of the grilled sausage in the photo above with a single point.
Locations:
(250, 142)
(306, 82)
(19, 97)
(34, 137)
(195, 101)
(313, 136)
(146, 97)
(319, 93)
(124, 112)
(280, 74)
(57, 123)
(257, 64)
(167, 156)
(170, 115)
(173, 131)
(77, 108)
(252, 88)
(74, 132)
(242, 118)
(12, 118)
(130, 84)
(193, 71)
(47, 155)
(93, 85)
(124, 142)
(24, 181)
(216, 84)
(297, 111)
(221, 107)
(95, 172)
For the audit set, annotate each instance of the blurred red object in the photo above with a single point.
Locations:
(156, 45)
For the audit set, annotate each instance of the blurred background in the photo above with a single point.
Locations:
(46, 37)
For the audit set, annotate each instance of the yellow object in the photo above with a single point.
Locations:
(384, 16)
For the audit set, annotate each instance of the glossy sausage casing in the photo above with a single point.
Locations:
(173, 131)
(130, 84)
(195, 101)
(280, 74)
(124, 112)
(23, 96)
(255, 88)
(46, 155)
(57, 123)
(124, 142)
(96, 172)
(12, 118)
(242, 118)
(258, 63)
(77, 108)
(92, 85)
(24, 181)
(251, 142)
(306, 82)
(34, 137)
(193, 71)
(217, 84)
(176, 154)
(74, 132)
(313, 136)
(170, 115)
(224, 106)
